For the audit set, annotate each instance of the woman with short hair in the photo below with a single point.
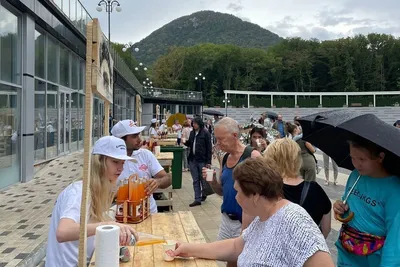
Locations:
(282, 234)
(316, 202)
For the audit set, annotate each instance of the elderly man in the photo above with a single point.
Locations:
(147, 165)
(233, 220)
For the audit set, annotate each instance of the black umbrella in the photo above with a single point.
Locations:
(213, 112)
(330, 130)
(272, 115)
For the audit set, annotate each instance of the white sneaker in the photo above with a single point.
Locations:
(334, 183)
(326, 182)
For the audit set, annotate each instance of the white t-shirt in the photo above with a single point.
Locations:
(147, 166)
(177, 129)
(152, 132)
(287, 239)
(68, 205)
(162, 127)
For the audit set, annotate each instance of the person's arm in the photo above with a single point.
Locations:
(310, 147)
(68, 230)
(163, 179)
(320, 258)
(326, 224)
(391, 249)
(225, 250)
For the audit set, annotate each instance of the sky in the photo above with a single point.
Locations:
(324, 20)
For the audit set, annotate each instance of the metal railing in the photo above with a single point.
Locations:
(80, 17)
(172, 94)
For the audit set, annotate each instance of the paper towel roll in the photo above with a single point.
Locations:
(107, 246)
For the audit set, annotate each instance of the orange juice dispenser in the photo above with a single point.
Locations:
(142, 194)
(135, 205)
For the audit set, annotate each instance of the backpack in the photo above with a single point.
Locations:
(246, 154)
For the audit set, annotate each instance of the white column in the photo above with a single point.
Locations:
(248, 100)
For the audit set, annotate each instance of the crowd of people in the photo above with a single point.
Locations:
(273, 211)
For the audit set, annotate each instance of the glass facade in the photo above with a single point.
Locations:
(59, 98)
(10, 90)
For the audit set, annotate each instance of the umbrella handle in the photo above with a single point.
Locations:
(342, 219)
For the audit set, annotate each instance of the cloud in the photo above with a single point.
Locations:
(235, 7)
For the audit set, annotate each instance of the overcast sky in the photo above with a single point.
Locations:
(288, 18)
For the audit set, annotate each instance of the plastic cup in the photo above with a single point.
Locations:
(210, 174)
(170, 245)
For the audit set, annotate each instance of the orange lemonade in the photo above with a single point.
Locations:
(123, 192)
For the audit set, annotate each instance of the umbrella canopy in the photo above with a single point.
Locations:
(213, 112)
(177, 116)
(330, 130)
(271, 115)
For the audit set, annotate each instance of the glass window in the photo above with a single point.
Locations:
(65, 7)
(79, 18)
(9, 47)
(58, 3)
(9, 140)
(82, 75)
(81, 117)
(40, 120)
(74, 72)
(72, 10)
(74, 121)
(52, 59)
(64, 66)
(40, 50)
(52, 120)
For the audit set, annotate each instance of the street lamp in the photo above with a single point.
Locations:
(125, 48)
(109, 5)
(226, 101)
(147, 84)
(201, 78)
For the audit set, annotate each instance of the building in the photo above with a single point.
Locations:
(42, 80)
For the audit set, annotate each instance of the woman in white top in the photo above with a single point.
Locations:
(108, 157)
(152, 129)
(281, 235)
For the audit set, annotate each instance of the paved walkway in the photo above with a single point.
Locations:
(27, 209)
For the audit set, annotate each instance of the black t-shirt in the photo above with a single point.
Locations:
(316, 203)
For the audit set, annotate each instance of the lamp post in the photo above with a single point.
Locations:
(109, 5)
(226, 101)
(148, 84)
(201, 78)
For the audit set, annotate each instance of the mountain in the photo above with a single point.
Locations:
(203, 27)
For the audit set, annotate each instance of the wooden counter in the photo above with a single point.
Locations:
(180, 226)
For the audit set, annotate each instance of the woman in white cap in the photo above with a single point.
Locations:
(108, 157)
(152, 129)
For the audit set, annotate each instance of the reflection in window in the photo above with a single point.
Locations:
(52, 120)
(9, 47)
(74, 121)
(9, 141)
(40, 50)
(65, 7)
(40, 120)
(72, 10)
(52, 60)
(74, 72)
(64, 66)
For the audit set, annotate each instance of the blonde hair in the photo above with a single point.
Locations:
(101, 189)
(287, 155)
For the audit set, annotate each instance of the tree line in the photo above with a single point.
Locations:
(361, 63)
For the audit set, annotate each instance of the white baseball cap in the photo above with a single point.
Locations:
(153, 120)
(163, 121)
(126, 127)
(112, 147)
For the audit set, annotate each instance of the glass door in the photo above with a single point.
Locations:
(64, 125)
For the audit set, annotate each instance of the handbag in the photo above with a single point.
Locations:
(359, 243)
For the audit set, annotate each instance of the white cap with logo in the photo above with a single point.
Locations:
(112, 147)
(126, 127)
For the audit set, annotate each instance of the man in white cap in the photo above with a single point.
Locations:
(147, 165)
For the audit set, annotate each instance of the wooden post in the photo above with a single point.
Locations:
(95, 50)
(87, 147)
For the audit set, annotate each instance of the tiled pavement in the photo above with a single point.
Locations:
(26, 209)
